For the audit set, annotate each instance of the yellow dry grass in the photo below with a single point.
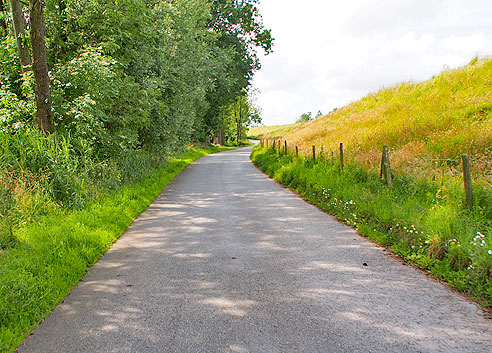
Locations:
(273, 131)
(443, 117)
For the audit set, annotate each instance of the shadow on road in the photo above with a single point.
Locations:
(225, 260)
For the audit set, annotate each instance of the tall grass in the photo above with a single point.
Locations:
(445, 116)
(39, 174)
(273, 131)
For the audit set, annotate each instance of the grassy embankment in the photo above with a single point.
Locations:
(272, 131)
(52, 254)
(422, 216)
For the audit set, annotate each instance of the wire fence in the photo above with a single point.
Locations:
(469, 169)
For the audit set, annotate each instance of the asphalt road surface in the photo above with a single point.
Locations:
(226, 260)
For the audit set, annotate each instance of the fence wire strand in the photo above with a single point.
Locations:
(481, 169)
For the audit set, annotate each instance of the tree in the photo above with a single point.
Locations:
(318, 114)
(240, 32)
(305, 118)
(40, 66)
(240, 111)
(19, 22)
(245, 112)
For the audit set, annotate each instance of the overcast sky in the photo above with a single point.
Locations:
(328, 53)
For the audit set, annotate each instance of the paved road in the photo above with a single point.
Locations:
(225, 260)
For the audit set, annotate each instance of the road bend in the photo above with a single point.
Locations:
(226, 260)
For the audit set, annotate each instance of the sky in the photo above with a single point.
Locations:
(329, 53)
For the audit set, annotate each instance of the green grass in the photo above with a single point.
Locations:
(240, 143)
(424, 221)
(254, 137)
(52, 254)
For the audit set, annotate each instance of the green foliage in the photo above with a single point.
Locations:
(240, 143)
(305, 117)
(136, 74)
(239, 29)
(236, 117)
(16, 90)
(51, 256)
(424, 221)
(136, 80)
(10, 71)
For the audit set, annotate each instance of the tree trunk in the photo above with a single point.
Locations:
(237, 118)
(40, 66)
(237, 126)
(19, 22)
(241, 120)
(221, 137)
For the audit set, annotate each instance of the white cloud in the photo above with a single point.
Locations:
(382, 16)
(330, 53)
(467, 43)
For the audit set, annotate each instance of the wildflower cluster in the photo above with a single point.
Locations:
(454, 241)
(346, 207)
(478, 253)
(479, 240)
(326, 194)
(411, 230)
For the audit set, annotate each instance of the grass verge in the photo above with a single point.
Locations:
(52, 254)
(423, 221)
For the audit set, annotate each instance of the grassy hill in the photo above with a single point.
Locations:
(443, 117)
(273, 131)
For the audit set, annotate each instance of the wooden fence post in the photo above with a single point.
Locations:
(274, 148)
(285, 150)
(341, 156)
(386, 167)
(314, 152)
(467, 180)
(297, 152)
(382, 165)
